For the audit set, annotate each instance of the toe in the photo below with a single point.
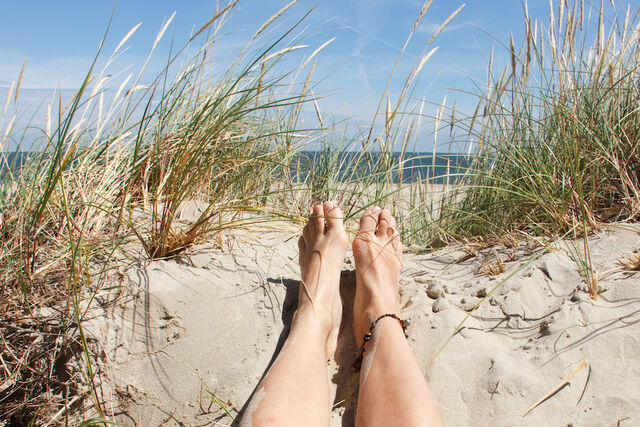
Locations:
(393, 223)
(328, 206)
(384, 223)
(392, 230)
(394, 235)
(333, 217)
(369, 220)
(316, 222)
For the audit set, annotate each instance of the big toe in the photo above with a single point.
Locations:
(333, 217)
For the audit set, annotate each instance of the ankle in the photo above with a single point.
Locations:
(388, 320)
(316, 320)
(312, 330)
(374, 309)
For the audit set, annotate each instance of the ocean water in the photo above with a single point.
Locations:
(350, 165)
(14, 160)
(410, 167)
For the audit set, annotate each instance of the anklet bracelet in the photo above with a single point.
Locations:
(404, 323)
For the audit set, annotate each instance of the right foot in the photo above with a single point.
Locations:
(377, 252)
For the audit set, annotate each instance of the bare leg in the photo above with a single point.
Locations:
(295, 391)
(392, 388)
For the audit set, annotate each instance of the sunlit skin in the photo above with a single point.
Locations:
(392, 389)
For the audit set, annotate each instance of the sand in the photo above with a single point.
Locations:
(210, 322)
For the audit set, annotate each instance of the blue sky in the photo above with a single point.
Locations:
(60, 38)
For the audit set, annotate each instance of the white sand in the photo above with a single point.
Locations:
(213, 319)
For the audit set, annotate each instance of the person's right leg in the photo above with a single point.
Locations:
(392, 388)
(295, 391)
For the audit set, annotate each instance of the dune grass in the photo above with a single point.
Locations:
(558, 129)
(555, 153)
(105, 187)
(557, 132)
(109, 180)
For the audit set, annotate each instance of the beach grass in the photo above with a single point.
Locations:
(105, 186)
(557, 130)
(555, 153)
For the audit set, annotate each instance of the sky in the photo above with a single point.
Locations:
(59, 39)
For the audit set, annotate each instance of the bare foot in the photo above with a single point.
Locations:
(377, 252)
(322, 248)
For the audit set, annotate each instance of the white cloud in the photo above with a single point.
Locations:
(430, 27)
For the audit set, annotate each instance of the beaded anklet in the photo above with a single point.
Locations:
(404, 323)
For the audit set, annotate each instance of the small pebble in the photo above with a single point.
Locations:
(439, 305)
(544, 329)
(580, 296)
(468, 304)
(435, 291)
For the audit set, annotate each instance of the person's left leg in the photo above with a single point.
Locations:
(295, 391)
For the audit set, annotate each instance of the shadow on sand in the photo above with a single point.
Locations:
(345, 378)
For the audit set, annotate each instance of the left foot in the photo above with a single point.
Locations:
(322, 246)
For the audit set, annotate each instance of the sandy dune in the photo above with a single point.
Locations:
(212, 320)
